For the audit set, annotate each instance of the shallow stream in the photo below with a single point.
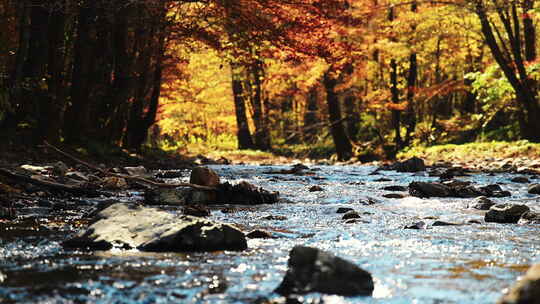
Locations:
(468, 263)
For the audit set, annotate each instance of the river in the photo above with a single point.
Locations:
(466, 263)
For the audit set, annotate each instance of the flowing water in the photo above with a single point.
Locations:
(469, 263)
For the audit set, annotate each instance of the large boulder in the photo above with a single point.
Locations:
(129, 226)
(526, 290)
(313, 270)
(505, 213)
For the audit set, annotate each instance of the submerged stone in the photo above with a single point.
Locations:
(313, 270)
(129, 226)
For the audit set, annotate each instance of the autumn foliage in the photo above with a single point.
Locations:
(263, 74)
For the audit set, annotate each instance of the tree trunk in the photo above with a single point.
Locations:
(123, 84)
(510, 60)
(262, 134)
(76, 127)
(50, 122)
(353, 116)
(341, 141)
(396, 114)
(243, 135)
(310, 115)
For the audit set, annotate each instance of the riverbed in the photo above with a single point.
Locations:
(470, 262)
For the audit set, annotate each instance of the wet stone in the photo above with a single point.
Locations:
(424, 189)
(204, 176)
(416, 226)
(196, 210)
(274, 218)
(481, 203)
(313, 270)
(505, 213)
(351, 215)
(382, 179)
(534, 189)
(315, 188)
(443, 223)
(526, 290)
(530, 217)
(259, 234)
(167, 196)
(344, 209)
(137, 171)
(129, 226)
(413, 164)
(520, 180)
(395, 188)
(394, 195)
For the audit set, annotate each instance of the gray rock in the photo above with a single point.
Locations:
(534, 189)
(137, 171)
(505, 213)
(167, 196)
(443, 223)
(424, 189)
(315, 188)
(259, 234)
(60, 169)
(520, 180)
(481, 203)
(417, 226)
(147, 229)
(530, 217)
(526, 290)
(413, 164)
(344, 209)
(314, 270)
(395, 188)
(204, 176)
(394, 195)
(351, 215)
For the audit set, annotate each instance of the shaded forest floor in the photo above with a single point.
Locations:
(480, 154)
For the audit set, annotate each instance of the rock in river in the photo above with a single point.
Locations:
(526, 290)
(148, 229)
(505, 213)
(413, 164)
(534, 189)
(314, 270)
(530, 217)
(481, 203)
(204, 176)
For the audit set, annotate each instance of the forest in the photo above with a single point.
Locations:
(346, 77)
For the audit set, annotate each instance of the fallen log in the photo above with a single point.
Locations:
(128, 177)
(52, 185)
